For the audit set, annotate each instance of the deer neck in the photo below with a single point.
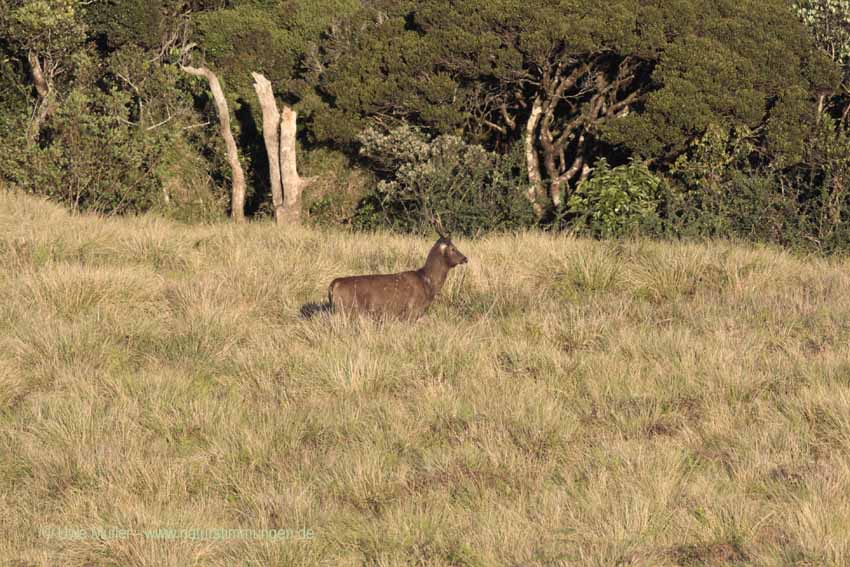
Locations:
(434, 271)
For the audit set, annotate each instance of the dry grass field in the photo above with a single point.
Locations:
(565, 402)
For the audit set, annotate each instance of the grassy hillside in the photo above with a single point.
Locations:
(566, 402)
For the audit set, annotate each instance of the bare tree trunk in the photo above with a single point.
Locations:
(566, 178)
(271, 136)
(535, 189)
(550, 155)
(293, 184)
(237, 208)
(42, 87)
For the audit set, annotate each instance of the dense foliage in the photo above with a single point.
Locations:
(425, 176)
(616, 201)
(669, 117)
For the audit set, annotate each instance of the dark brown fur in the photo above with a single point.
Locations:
(404, 295)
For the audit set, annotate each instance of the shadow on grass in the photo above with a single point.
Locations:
(313, 309)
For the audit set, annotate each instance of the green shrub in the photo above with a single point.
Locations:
(93, 160)
(720, 189)
(473, 190)
(613, 202)
(745, 204)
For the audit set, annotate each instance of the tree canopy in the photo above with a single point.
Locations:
(558, 85)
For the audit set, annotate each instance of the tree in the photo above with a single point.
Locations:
(271, 135)
(82, 141)
(293, 184)
(573, 80)
(829, 21)
(279, 41)
(48, 33)
(237, 206)
(279, 135)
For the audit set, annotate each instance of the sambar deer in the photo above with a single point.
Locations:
(404, 295)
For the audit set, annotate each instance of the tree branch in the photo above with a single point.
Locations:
(496, 127)
(509, 120)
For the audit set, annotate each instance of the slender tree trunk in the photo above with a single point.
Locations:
(293, 184)
(45, 105)
(550, 159)
(271, 136)
(237, 208)
(554, 160)
(535, 189)
(564, 179)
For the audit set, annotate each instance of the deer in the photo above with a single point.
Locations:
(404, 295)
